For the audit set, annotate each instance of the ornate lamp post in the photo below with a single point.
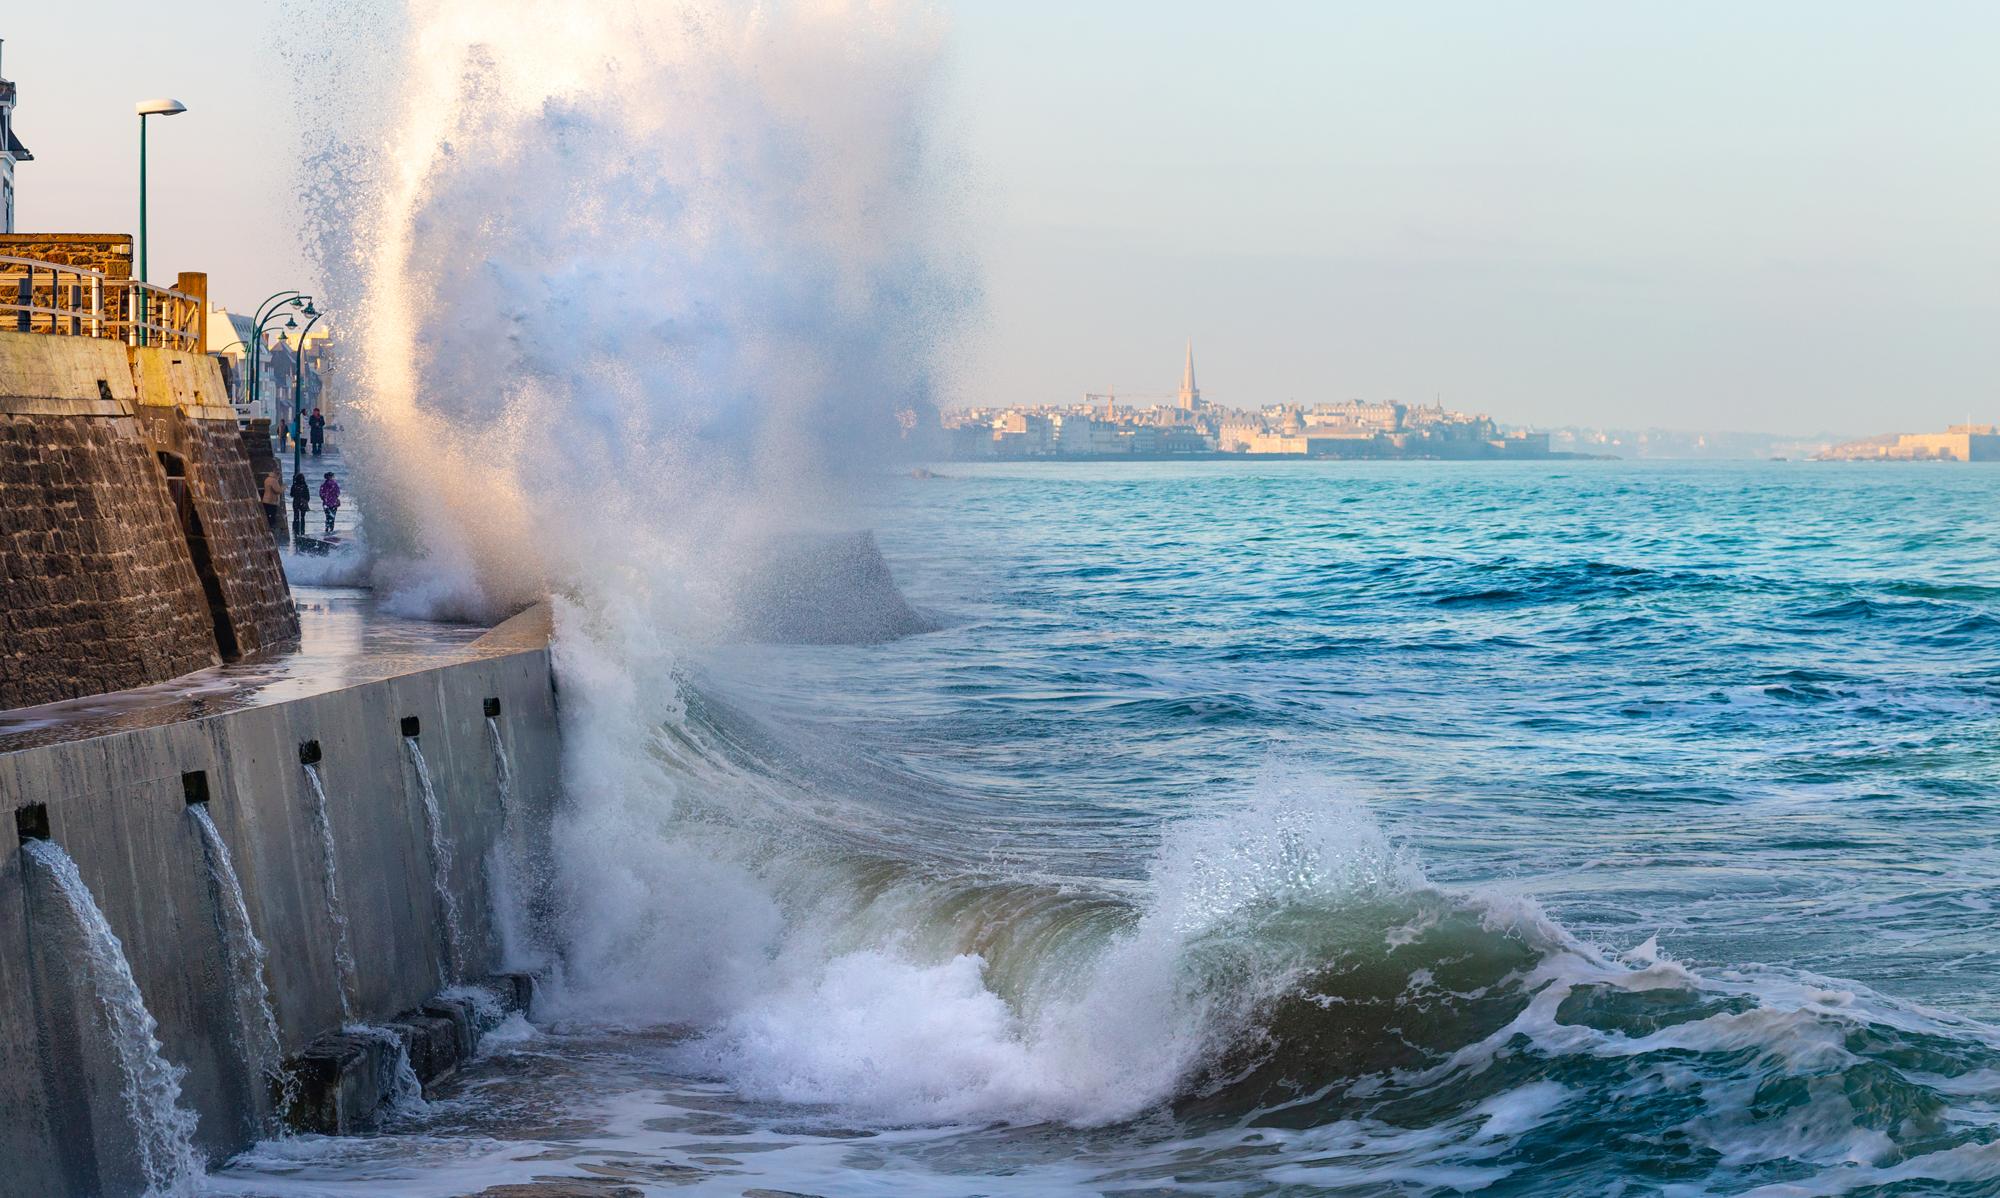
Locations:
(298, 387)
(277, 304)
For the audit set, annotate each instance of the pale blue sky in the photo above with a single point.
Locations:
(1700, 215)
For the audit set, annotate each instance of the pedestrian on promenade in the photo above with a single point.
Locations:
(274, 499)
(329, 498)
(301, 500)
(318, 426)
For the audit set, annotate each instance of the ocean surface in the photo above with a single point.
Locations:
(1574, 828)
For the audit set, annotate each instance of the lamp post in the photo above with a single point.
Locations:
(291, 298)
(246, 357)
(298, 387)
(145, 108)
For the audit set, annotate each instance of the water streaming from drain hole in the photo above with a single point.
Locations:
(447, 902)
(503, 769)
(401, 1093)
(519, 948)
(343, 948)
(256, 1021)
(162, 1129)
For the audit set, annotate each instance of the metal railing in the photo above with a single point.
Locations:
(161, 316)
(48, 297)
(75, 301)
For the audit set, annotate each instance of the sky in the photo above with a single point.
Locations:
(1772, 217)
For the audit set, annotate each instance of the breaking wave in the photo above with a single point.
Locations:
(1278, 970)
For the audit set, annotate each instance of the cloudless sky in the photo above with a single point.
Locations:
(1775, 216)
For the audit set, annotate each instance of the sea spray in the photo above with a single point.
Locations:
(257, 1022)
(450, 933)
(729, 310)
(343, 945)
(162, 1129)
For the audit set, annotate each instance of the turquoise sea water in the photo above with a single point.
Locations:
(1365, 829)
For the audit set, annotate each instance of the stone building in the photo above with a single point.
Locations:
(11, 152)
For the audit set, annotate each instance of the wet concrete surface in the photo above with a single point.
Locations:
(345, 638)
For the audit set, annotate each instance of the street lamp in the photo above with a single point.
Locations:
(145, 108)
(298, 386)
(286, 299)
(241, 389)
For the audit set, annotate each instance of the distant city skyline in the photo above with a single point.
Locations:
(1722, 217)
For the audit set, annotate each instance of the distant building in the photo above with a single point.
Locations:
(1958, 443)
(229, 336)
(1192, 427)
(11, 152)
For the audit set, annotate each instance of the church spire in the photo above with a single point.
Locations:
(1190, 397)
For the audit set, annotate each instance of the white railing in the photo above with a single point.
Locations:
(48, 297)
(75, 301)
(158, 316)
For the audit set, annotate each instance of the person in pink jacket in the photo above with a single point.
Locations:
(329, 498)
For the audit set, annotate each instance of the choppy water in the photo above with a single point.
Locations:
(1404, 829)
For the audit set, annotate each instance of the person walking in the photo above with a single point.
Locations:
(329, 497)
(318, 426)
(274, 499)
(301, 500)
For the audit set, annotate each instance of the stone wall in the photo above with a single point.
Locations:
(185, 408)
(94, 577)
(239, 538)
(107, 252)
(99, 581)
(96, 588)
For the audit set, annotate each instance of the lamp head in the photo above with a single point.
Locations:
(162, 106)
(290, 323)
(310, 310)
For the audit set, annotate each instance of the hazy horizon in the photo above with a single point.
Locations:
(1704, 219)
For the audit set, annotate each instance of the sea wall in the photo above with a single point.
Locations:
(133, 547)
(119, 806)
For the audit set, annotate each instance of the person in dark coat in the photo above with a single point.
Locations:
(318, 426)
(301, 500)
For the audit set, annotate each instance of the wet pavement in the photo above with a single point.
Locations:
(346, 638)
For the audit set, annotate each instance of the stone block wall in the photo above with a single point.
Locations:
(95, 582)
(225, 493)
(100, 588)
(108, 252)
(186, 410)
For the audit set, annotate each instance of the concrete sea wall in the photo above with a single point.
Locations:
(118, 805)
